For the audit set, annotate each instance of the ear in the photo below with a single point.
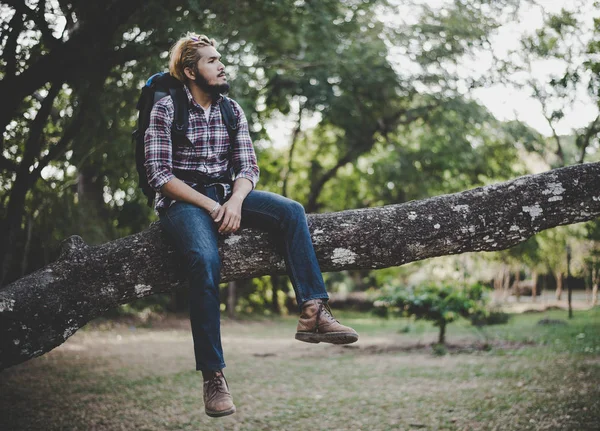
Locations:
(189, 73)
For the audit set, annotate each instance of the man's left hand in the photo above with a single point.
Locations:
(230, 215)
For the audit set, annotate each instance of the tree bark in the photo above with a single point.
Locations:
(41, 310)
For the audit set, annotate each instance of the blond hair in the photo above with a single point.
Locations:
(184, 53)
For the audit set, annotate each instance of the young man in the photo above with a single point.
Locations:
(197, 200)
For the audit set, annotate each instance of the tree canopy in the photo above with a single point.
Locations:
(379, 107)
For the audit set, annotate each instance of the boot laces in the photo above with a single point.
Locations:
(215, 385)
(325, 309)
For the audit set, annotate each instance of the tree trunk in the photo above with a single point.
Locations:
(516, 287)
(534, 282)
(27, 247)
(595, 282)
(506, 284)
(231, 299)
(276, 283)
(442, 334)
(41, 310)
(559, 284)
(498, 284)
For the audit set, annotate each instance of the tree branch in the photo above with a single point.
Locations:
(35, 140)
(583, 141)
(41, 310)
(10, 53)
(7, 165)
(295, 135)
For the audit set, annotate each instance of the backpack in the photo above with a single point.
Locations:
(160, 85)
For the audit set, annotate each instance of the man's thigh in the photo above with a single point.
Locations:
(190, 228)
(266, 210)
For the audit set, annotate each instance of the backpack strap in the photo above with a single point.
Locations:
(181, 116)
(229, 118)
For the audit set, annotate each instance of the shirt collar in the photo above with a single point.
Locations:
(196, 104)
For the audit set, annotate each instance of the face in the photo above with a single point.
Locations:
(210, 72)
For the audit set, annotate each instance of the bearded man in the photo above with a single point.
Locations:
(207, 189)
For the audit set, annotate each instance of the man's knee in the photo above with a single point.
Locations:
(294, 209)
(206, 265)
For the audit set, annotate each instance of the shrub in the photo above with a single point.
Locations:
(441, 304)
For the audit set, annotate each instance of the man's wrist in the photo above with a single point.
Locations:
(214, 208)
(237, 196)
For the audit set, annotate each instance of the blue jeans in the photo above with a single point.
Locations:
(194, 235)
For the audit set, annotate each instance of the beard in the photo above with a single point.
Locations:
(215, 90)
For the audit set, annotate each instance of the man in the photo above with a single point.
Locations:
(197, 199)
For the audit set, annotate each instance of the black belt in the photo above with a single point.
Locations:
(200, 180)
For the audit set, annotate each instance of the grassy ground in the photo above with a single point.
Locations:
(518, 376)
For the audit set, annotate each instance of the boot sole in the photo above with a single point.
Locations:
(213, 414)
(329, 337)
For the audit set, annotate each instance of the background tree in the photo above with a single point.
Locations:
(441, 304)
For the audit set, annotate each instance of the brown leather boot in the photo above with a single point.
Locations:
(217, 399)
(317, 324)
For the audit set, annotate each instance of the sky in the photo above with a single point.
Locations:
(506, 103)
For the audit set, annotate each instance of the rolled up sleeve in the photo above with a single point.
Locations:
(158, 148)
(243, 156)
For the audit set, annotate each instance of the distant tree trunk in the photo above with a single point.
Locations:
(516, 287)
(587, 279)
(295, 136)
(559, 284)
(231, 299)
(25, 178)
(27, 248)
(595, 282)
(442, 335)
(93, 223)
(498, 280)
(506, 283)
(534, 281)
(276, 282)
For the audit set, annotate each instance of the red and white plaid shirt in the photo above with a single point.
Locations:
(209, 155)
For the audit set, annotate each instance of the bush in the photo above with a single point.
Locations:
(441, 304)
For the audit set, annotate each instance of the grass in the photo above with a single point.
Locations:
(517, 376)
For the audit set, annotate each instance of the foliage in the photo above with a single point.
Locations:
(439, 303)
(565, 46)
(383, 113)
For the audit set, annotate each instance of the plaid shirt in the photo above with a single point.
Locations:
(210, 152)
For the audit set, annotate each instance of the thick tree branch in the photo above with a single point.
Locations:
(10, 52)
(40, 311)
